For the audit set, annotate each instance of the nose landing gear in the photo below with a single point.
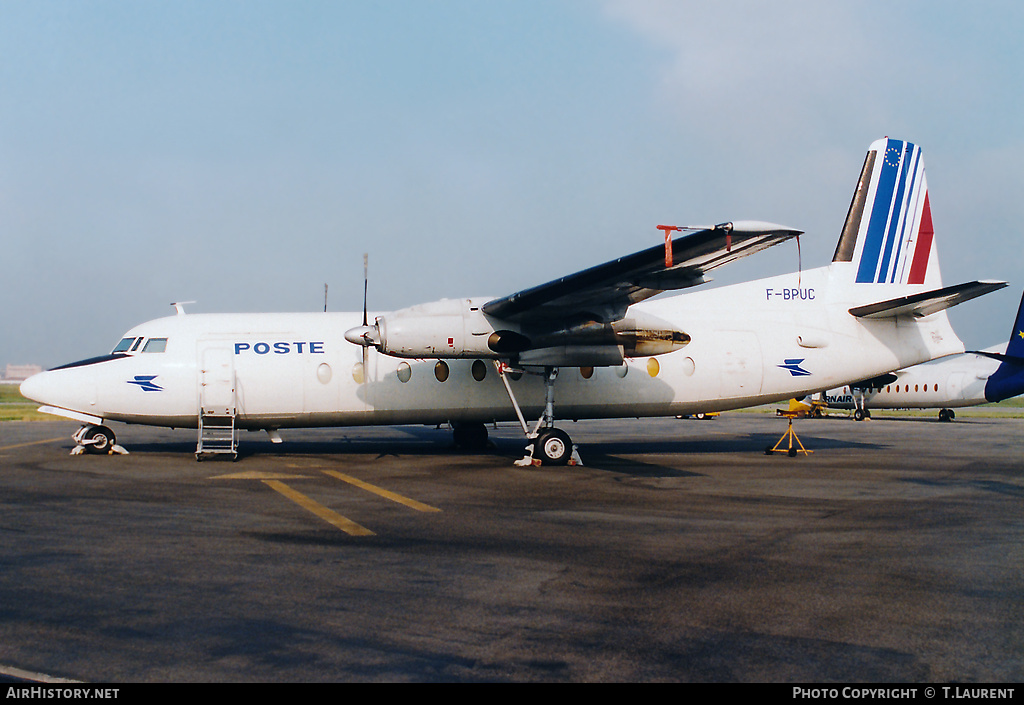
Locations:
(96, 440)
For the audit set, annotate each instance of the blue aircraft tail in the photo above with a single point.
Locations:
(1008, 380)
(1015, 348)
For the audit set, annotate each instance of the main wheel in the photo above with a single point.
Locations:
(470, 436)
(553, 446)
(98, 440)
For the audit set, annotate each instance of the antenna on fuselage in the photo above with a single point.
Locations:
(180, 306)
(325, 297)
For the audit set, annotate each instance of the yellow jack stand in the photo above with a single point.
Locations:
(790, 434)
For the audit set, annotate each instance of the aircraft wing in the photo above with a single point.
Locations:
(604, 292)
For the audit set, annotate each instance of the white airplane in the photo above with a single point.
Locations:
(594, 337)
(975, 377)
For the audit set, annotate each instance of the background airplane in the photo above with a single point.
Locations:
(612, 349)
(975, 377)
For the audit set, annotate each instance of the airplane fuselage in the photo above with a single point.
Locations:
(784, 336)
(957, 381)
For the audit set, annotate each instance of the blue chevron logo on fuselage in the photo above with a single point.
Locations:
(146, 383)
(794, 367)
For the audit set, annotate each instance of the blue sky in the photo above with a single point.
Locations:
(243, 154)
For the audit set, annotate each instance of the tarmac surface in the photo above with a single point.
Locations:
(679, 551)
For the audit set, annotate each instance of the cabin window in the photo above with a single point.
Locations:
(125, 345)
(916, 387)
(155, 345)
(688, 366)
(404, 372)
(936, 387)
(441, 371)
(324, 373)
(586, 372)
(479, 370)
(653, 367)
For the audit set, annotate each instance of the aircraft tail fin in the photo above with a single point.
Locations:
(1015, 347)
(888, 236)
(1008, 379)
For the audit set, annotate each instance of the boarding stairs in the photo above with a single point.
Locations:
(218, 407)
(217, 434)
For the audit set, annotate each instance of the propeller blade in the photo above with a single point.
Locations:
(366, 280)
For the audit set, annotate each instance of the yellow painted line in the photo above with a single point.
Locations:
(387, 494)
(261, 476)
(331, 517)
(35, 443)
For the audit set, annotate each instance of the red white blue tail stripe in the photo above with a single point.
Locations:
(897, 228)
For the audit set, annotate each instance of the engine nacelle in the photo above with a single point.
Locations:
(458, 328)
(449, 328)
(646, 342)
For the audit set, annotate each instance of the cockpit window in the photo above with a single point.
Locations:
(125, 345)
(137, 344)
(155, 345)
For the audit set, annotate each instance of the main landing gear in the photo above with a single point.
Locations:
(860, 409)
(547, 445)
(96, 440)
(470, 436)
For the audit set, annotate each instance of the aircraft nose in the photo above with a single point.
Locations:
(34, 387)
(48, 388)
(62, 388)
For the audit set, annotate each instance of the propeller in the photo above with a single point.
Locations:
(366, 284)
(364, 335)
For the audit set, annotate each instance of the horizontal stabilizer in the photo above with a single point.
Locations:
(927, 302)
(1001, 357)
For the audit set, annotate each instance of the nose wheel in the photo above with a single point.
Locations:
(96, 440)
